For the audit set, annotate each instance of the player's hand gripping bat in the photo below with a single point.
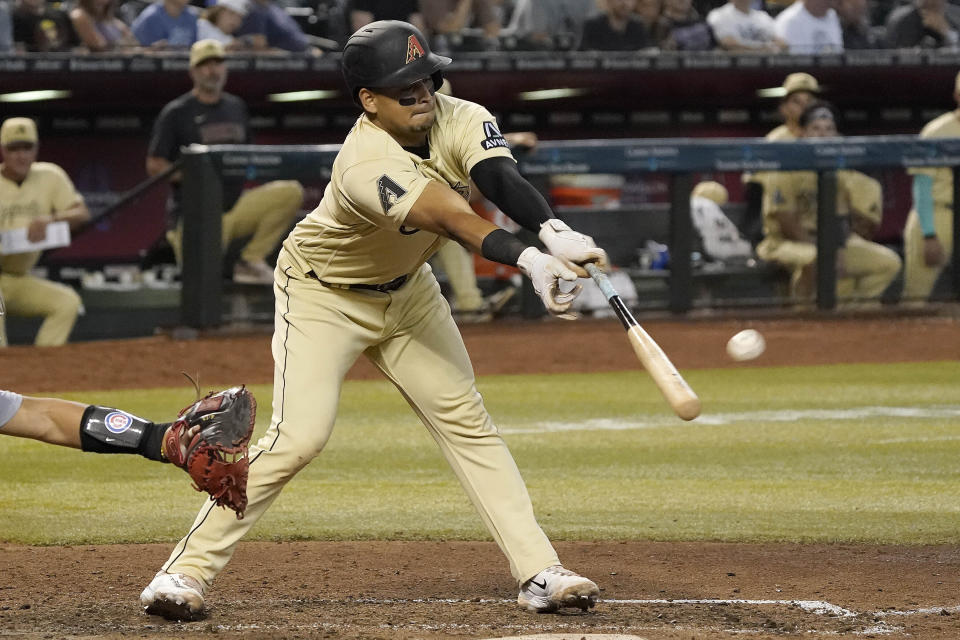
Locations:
(674, 388)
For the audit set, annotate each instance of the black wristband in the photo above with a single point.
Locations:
(929, 236)
(502, 246)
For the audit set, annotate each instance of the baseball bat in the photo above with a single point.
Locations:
(674, 388)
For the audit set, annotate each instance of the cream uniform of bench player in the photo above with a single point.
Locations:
(352, 278)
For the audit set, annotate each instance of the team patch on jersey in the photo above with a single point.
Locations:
(492, 137)
(117, 422)
(414, 49)
(389, 191)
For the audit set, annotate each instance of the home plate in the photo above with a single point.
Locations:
(572, 636)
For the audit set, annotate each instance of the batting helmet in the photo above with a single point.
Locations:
(389, 53)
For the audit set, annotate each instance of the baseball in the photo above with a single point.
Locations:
(746, 345)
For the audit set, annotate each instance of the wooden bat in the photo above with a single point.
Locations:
(674, 388)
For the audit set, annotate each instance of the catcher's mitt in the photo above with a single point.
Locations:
(217, 457)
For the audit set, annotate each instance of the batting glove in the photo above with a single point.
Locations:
(546, 272)
(573, 248)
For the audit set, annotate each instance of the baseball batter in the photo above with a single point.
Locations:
(352, 278)
(33, 195)
(928, 234)
(864, 268)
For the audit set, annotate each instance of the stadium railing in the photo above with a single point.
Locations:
(205, 166)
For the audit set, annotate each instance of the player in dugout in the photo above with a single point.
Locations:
(33, 196)
(209, 115)
(864, 268)
(352, 279)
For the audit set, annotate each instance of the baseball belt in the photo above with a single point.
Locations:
(385, 287)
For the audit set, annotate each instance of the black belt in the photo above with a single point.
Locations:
(385, 287)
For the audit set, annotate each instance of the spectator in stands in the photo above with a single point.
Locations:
(810, 27)
(34, 195)
(864, 268)
(222, 20)
(682, 28)
(739, 27)
(923, 23)
(549, 24)
(39, 27)
(6, 28)
(446, 20)
(363, 12)
(928, 234)
(98, 26)
(278, 27)
(167, 23)
(616, 29)
(855, 22)
(648, 12)
(208, 115)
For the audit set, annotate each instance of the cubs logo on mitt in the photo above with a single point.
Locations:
(217, 457)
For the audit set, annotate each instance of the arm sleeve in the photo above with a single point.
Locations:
(500, 181)
(923, 202)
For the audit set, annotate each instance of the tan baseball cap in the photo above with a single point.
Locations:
(711, 191)
(16, 130)
(203, 50)
(792, 83)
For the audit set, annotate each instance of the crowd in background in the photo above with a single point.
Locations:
(314, 26)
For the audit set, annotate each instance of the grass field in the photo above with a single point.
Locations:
(862, 453)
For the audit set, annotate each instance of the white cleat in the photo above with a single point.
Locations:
(556, 587)
(174, 596)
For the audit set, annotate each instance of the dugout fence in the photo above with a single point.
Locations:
(205, 167)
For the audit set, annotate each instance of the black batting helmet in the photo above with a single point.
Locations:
(389, 53)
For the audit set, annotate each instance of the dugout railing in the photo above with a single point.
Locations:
(205, 166)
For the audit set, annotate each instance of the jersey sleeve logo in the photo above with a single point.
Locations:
(389, 191)
(414, 49)
(492, 136)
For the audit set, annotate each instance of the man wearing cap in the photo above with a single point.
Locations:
(928, 234)
(864, 268)
(33, 195)
(209, 115)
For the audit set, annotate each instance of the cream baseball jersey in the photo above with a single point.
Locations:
(46, 190)
(796, 191)
(357, 233)
(944, 126)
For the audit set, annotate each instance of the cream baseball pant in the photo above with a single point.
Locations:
(457, 263)
(870, 267)
(265, 213)
(410, 336)
(28, 296)
(918, 278)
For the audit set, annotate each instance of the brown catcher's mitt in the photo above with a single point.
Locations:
(217, 457)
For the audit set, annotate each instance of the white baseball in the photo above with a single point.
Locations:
(746, 345)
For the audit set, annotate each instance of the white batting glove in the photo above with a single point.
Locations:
(546, 272)
(573, 248)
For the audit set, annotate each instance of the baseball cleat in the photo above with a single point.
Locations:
(556, 587)
(174, 596)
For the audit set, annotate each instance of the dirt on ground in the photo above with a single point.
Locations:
(430, 590)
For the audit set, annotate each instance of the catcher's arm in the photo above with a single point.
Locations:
(217, 456)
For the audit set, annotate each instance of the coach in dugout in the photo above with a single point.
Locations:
(32, 196)
(209, 115)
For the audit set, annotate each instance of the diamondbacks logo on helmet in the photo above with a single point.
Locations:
(414, 49)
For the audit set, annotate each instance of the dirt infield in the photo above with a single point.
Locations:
(430, 590)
